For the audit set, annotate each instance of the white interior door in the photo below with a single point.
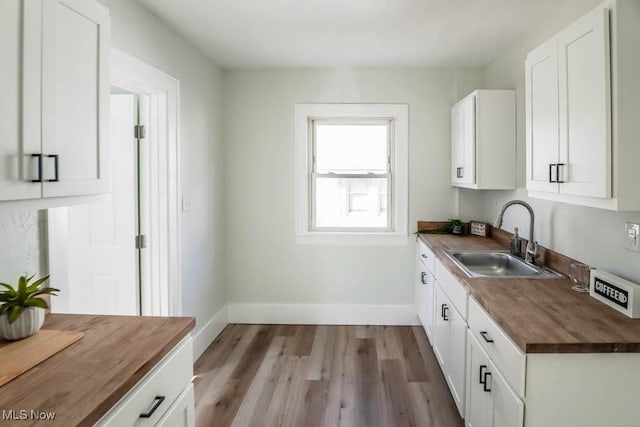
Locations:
(93, 258)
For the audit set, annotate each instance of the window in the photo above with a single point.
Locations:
(351, 171)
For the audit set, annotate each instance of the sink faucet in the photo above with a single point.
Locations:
(532, 246)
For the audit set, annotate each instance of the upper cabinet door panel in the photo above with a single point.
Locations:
(19, 123)
(541, 87)
(75, 91)
(585, 100)
(457, 143)
(469, 140)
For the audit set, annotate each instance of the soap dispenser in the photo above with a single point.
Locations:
(516, 244)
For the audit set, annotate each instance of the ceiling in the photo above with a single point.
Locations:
(241, 34)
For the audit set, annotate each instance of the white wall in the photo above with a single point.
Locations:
(139, 33)
(22, 245)
(593, 236)
(264, 262)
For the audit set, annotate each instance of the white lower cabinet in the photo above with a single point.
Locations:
(490, 402)
(164, 397)
(449, 345)
(425, 288)
(181, 414)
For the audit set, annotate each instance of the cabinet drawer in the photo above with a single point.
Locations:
(456, 292)
(508, 358)
(426, 256)
(159, 388)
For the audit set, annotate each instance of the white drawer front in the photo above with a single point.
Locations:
(508, 358)
(426, 255)
(456, 292)
(168, 380)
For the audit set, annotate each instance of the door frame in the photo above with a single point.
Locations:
(163, 287)
(136, 76)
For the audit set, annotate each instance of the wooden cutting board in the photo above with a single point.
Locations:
(19, 356)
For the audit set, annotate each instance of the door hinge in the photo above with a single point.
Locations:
(139, 131)
(141, 241)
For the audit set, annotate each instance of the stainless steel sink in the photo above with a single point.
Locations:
(497, 264)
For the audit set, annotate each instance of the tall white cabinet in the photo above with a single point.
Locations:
(579, 88)
(53, 125)
(483, 140)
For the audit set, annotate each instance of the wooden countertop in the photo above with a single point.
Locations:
(81, 383)
(542, 315)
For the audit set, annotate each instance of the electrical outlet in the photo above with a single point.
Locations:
(632, 236)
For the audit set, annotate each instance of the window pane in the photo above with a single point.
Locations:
(351, 202)
(351, 148)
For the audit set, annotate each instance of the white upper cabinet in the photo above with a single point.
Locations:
(578, 134)
(541, 88)
(18, 140)
(54, 133)
(483, 141)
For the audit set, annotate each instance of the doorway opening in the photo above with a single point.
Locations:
(120, 255)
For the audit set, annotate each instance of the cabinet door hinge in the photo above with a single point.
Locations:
(141, 241)
(139, 131)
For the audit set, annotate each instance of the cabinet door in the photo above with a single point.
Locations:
(429, 309)
(75, 90)
(20, 100)
(507, 408)
(478, 402)
(181, 413)
(441, 328)
(456, 365)
(463, 131)
(585, 107)
(457, 143)
(541, 110)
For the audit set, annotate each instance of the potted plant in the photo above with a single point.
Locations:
(22, 309)
(456, 226)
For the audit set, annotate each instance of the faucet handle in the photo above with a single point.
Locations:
(532, 251)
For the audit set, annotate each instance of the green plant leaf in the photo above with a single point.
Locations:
(6, 297)
(10, 289)
(15, 312)
(36, 302)
(45, 291)
(35, 285)
(4, 308)
(22, 285)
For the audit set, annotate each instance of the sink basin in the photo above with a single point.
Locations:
(491, 263)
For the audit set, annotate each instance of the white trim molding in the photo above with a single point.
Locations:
(399, 113)
(323, 314)
(136, 76)
(203, 338)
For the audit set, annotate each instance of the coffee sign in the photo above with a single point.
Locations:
(616, 292)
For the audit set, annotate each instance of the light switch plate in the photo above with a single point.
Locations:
(632, 236)
(186, 204)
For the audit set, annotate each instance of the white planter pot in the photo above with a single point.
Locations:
(27, 324)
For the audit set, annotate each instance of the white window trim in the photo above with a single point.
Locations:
(400, 159)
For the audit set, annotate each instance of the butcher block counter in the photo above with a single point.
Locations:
(541, 315)
(83, 382)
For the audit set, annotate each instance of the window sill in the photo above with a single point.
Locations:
(352, 238)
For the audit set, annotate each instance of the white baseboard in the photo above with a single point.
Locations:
(205, 336)
(323, 314)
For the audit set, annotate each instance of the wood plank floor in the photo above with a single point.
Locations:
(307, 376)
